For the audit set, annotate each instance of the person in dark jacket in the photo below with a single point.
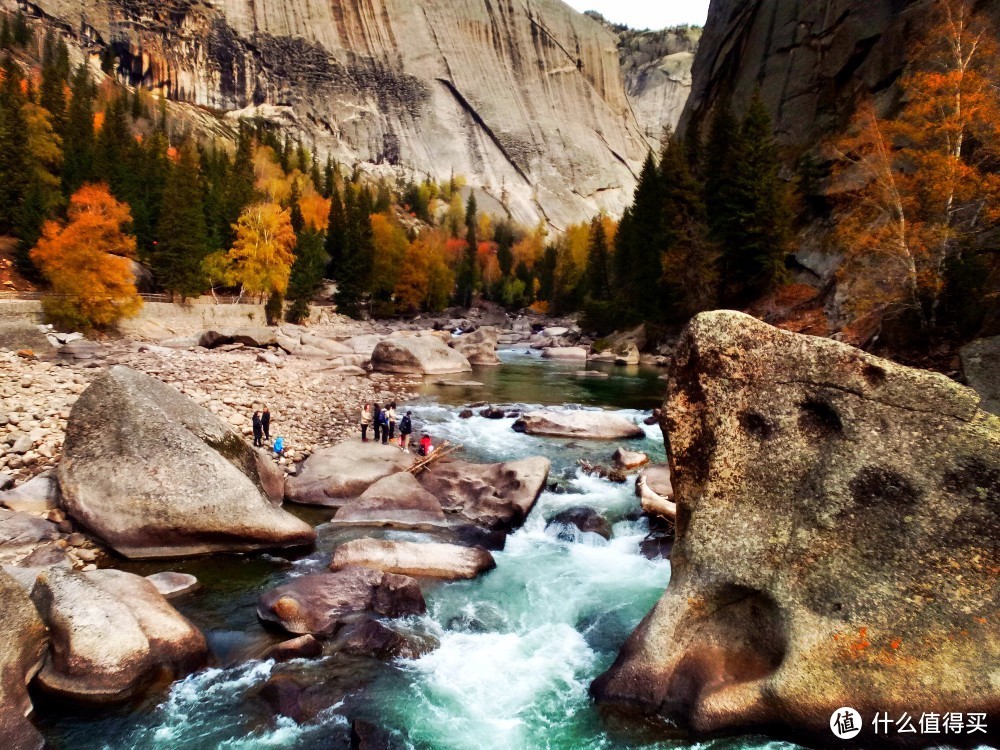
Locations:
(377, 421)
(384, 414)
(265, 423)
(405, 428)
(258, 430)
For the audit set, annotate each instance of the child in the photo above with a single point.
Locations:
(425, 445)
(279, 446)
(405, 428)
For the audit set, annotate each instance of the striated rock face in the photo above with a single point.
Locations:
(838, 540)
(811, 60)
(525, 98)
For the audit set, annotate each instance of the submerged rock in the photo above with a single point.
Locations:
(320, 603)
(586, 520)
(837, 539)
(22, 649)
(593, 425)
(112, 634)
(418, 355)
(155, 475)
(331, 476)
(421, 560)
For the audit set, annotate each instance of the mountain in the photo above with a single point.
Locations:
(524, 97)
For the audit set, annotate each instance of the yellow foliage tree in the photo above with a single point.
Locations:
(261, 258)
(87, 262)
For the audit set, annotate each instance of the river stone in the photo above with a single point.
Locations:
(155, 475)
(19, 336)
(171, 584)
(565, 352)
(450, 562)
(335, 348)
(342, 472)
(372, 638)
(418, 355)
(627, 460)
(587, 520)
(479, 347)
(112, 633)
(22, 649)
(658, 480)
(20, 533)
(320, 603)
(303, 647)
(592, 425)
(837, 539)
(492, 496)
(397, 502)
(981, 368)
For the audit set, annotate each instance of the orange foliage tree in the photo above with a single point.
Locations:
(261, 258)
(87, 262)
(425, 280)
(921, 186)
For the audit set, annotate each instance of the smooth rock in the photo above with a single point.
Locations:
(37, 495)
(397, 501)
(330, 476)
(450, 562)
(172, 584)
(586, 520)
(837, 534)
(304, 647)
(22, 648)
(565, 352)
(155, 475)
(112, 633)
(479, 347)
(418, 355)
(591, 425)
(320, 603)
(628, 460)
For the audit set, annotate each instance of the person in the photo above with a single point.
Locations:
(366, 419)
(390, 417)
(384, 414)
(265, 423)
(426, 448)
(258, 430)
(405, 428)
(377, 421)
(279, 446)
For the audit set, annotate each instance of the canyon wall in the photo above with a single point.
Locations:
(524, 97)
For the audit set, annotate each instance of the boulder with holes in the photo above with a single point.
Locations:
(838, 540)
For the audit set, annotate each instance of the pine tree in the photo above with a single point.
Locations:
(307, 274)
(354, 269)
(294, 205)
(329, 178)
(52, 91)
(336, 233)
(114, 143)
(468, 272)
(14, 168)
(78, 138)
(22, 35)
(182, 243)
(598, 280)
(639, 255)
(239, 190)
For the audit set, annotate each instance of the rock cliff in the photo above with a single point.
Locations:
(525, 97)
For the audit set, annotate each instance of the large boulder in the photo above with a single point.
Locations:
(838, 540)
(112, 633)
(331, 476)
(592, 425)
(418, 355)
(320, 603)
(396, 501)
(578, 353)
(492, 496)
(22, 647)
(155, 475)
(450, 562)
(479, 347)
(981, 368)
(24, 335)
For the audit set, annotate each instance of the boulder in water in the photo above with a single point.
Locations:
(421, 560)
(592, 425)
(479, 347)
(397, 501)
(320, 603)
(837, 526)
(303, 647)
(342, 472)
(22, 649)
(112, 633)
(586, 520)
(155, 475)
(418, 355)
(368, 637)
(627, 460)
(565, 352)
(171, 584)
(492, 496)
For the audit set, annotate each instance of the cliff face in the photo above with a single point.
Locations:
(522, 96)
(811, 59)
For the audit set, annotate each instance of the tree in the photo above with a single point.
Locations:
(14, 166)
(929, 184)
(638, 259)
(78, 138)
(307, 274)
(55, 72)
(355, 266)
(468, 271)
(336, 232)
(598, 278)
(42, 195)
(87, 262)
(262, 255)
(389, 244)
(182, 233)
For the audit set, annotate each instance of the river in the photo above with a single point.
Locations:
(516, 649)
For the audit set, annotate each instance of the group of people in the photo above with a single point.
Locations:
(262, 432)
(383, 421)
